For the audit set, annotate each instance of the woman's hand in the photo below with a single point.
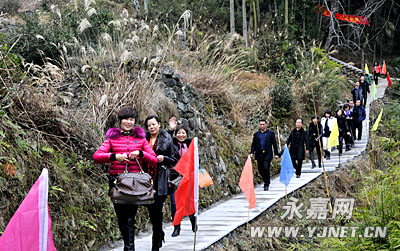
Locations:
(160, 158)
(134, 154)
(121, 157)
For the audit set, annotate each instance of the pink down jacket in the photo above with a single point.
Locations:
(116, 142)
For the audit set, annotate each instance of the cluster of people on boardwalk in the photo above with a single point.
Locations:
(157, 151)
(129, 147)
(349, 119)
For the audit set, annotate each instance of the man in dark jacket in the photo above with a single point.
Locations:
(358, 117)
(357, 92)
(261, 147)
(365, 86)
(314, 140)
(297, 140)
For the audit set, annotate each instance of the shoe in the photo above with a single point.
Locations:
(177, 231)
(297, 176)
(340, 154)
(313, 165)
(162, 235)
(348, 148)
(266, 188)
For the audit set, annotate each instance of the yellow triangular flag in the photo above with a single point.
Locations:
(334, 137)
(366, 69)
(376, 124)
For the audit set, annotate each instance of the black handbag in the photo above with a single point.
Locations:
(133, 188)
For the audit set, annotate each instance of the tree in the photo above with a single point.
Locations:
(244, 21)
(232, 14)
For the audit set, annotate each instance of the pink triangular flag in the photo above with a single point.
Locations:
(30, 226)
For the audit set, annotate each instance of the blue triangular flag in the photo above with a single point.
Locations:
(287, 169)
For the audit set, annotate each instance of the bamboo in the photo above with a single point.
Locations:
(321, 149)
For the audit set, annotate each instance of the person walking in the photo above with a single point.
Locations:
(181, 144)
(314, 140)
(357, 92)
(344, 131)
(365, 87)
(358, 117)
(377, 71)
(162, 144)
(261, 149)
(296, 142)
(122, 146)
(327, 125)
(349, 119)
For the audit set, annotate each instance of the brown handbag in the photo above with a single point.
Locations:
(133, 188)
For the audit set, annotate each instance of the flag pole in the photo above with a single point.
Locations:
(248, 219)
(322, 157)
(195, 234)
(279, 138)
(286, 191)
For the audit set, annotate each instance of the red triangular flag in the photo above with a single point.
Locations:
(383, 68)
(246, 183)
(187, 194)
(389, 80)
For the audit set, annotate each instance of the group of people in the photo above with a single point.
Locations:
(301, 142)
(157, 151)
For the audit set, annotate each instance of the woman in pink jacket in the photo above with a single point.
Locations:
(123, 145)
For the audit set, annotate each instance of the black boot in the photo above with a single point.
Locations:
(325, 154)
(193, 220)
(328, 155)
(319, 162)
(162, 235)
(347, 147)
(157, 241)
(130, 246)
(177, 230)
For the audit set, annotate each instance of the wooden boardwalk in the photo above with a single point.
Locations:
(221, 219)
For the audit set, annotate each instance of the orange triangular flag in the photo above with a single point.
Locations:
(383, 68)
(246, 183)
(389, 80)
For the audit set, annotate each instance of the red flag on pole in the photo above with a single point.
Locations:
(389, 80)
(30, 226)
(246, 183)
(383, 68)
(187, 194)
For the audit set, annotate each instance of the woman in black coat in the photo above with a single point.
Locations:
(297, 140)
(315, 140)
(344, 131)
(181, 144)
(162, 144)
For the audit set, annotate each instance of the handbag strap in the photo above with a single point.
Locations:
(137, 161)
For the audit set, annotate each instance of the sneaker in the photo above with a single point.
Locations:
(297, 176)
(266, 188)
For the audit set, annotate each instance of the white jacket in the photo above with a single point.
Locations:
(331, 123)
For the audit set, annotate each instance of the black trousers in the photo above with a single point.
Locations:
(126, 215)
(297, 164)
(316, 146)
(359, 127)
(365, 99)
(264, 166)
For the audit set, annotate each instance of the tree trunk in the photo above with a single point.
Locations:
(276, 14)
(244, 21)
(258, 13)
(255, 18)
(331, 25)
(232, 15)
(146, 7)
(286, 16)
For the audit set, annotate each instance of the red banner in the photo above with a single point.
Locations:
(323, 11)
(348, 18)
(352, 19)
